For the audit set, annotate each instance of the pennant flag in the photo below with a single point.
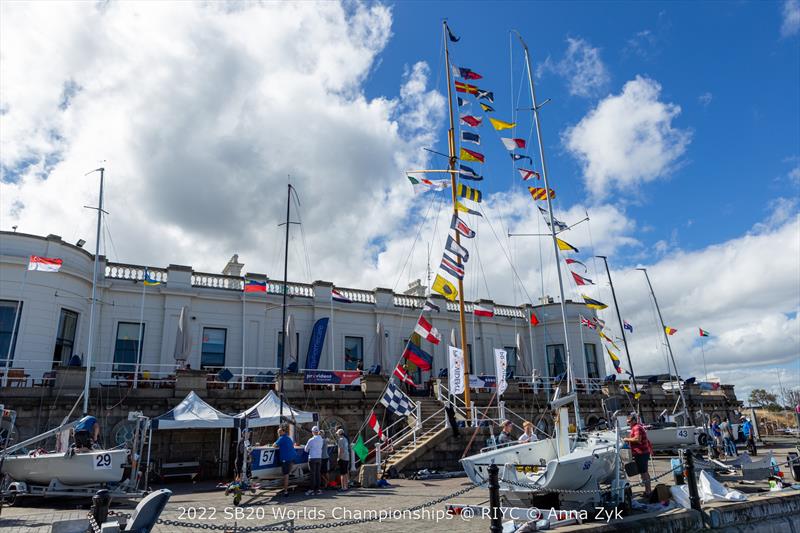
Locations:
(670, 331)
(445, 288)
(593, 304)
(44, 264)
(452, 246)
(519, 157)
(571, 261)
(482, 310)
(469, 193)
(565, 246)
(426, 330)
(703, 333)
(462, 87)
(501, 125)
(464, 209)
(540, 193)
(424, 184)
(403, 376)
(485, 95)
(375, 425)
(528, 174)
(452, 267)
(430, 306)
(451, 35)
(629, 391)
(467, 173)
(486, 107)
(466, 73)
(461, 227)
(588, 323)
(600, 323)
(580, 280)
(396, 401)
(418, 356)
(150, 281)
(360, 449)
(607, 339)
(461, 102)
(468, 136)
(512, 144)
(469, 155)
(560, 226)
(471, 120)
(626, 325)
(337, 296)
(614, 360)
(534, 319)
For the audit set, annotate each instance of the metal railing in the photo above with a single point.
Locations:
(134, 272)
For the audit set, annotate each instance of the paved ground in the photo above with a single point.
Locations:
(203, 504)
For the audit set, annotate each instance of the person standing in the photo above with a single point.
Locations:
(314, 449)
(716, 433)
(641, 449)
(727, 439)
(749, 435)
(505, 434)
(286, 456)
(343, 455)
(325, 466)
(528, 435)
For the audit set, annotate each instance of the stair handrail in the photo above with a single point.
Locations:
(443, 395)
(405, 433)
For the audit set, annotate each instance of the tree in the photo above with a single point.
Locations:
(761, 398)
(791, 397)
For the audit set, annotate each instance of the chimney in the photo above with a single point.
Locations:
(234, 267)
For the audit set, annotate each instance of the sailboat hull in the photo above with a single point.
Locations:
(101, 466)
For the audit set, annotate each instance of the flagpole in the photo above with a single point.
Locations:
(619, 319)
(244, 320)
(285, 290)
(90, 345)
(535, 109)
(703, 350)
(141, 334)
(15, 325)
(530, 340)
(669, 348)
(451, 145)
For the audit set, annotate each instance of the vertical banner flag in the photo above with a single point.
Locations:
(316, 342)
(500, 369)
(455, 372)
(44, 264)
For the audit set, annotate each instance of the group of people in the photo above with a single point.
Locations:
(724, 440)
(507, 427)
(321, 459)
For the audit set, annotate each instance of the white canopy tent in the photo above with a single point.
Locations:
(193, 413)
(267, 413)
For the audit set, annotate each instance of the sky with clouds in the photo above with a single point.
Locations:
(675, 127)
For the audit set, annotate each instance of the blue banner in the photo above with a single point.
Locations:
(316, 342)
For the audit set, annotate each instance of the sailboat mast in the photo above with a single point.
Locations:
(669, 347)
(619, 318)
(90, 347)
(451, 146)
(285, 291)
(571, 381)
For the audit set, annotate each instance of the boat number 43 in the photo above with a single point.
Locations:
(683, 433)
(102, 461)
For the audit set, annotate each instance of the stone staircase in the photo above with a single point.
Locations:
(432, 432)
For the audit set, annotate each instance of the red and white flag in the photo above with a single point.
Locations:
(401, 374)
(426, 330)
(528, 174)
(375, 425)
(513, 144)
(482, 310)
(534, 319)
(44, 264)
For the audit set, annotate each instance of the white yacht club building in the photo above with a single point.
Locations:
(241, 332)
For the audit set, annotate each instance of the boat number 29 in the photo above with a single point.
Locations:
(267, 456)
(102, 461)
(683, 433)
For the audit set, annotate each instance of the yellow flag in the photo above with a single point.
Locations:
(637, 395)
(564, 245)
(445, 288)
(501, 125)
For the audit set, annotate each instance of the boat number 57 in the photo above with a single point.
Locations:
(102, 461)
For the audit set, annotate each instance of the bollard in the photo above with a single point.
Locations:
(100, 503)
(694, 496)
(496, 524)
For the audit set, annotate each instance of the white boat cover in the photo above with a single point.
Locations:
(267, 413)
(193, 413)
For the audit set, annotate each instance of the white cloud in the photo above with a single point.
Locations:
(705, 98)
(628, 138)
(581, 67)
(790, 24)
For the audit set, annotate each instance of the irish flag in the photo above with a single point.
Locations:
(482, 310)
(44, 264)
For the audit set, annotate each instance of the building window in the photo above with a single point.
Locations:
(290, 356)
(213, 351)
(65, 337)
(590, 353)
(353, 353)
(555, 360)
(511, 358)
(9, 327)
(126, 347)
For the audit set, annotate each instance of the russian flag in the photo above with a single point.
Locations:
(251, 285)
(418, 356)
(337, 296)
(482, 310)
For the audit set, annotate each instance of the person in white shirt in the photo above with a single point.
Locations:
(314, 448)
(528, 435)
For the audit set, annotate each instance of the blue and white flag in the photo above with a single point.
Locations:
(627, 326)
(453, 247)
(396, 401)
(470, 137)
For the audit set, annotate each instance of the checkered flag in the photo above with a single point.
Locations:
(397, 402)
